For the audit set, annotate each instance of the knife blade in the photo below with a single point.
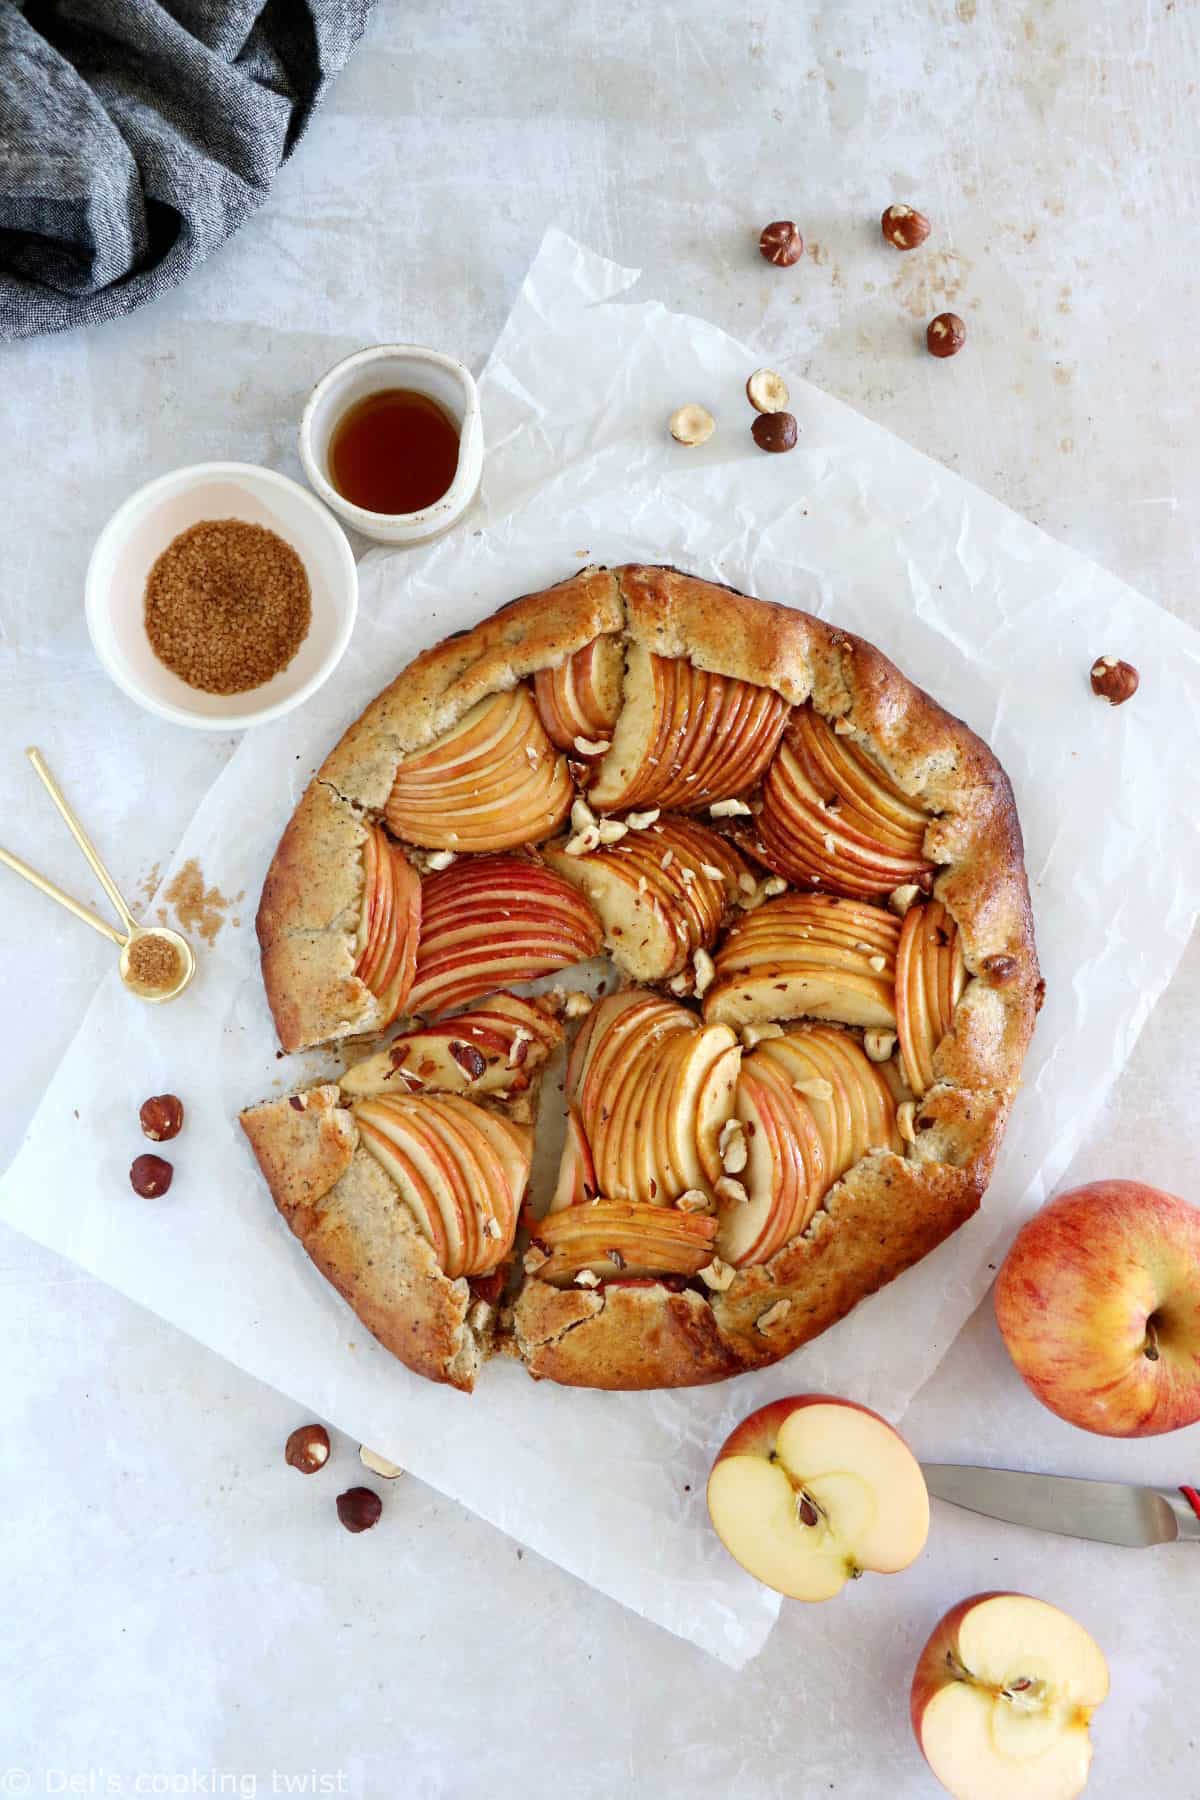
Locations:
(1106, 1512)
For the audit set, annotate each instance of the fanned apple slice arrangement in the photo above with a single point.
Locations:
(773, 879)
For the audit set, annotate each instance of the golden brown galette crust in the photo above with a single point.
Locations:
(883, 1216)
(361, 1236)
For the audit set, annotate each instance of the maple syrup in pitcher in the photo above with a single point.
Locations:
(393, 452)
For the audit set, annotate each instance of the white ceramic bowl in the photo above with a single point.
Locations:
(430, 372)
(140, 530)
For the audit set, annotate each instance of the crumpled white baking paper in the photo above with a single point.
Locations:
(994, 618)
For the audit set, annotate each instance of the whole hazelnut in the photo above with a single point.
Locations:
(691, 425)
(774, 431)
(780, 243)
(904, 227)
(307, 1449)
(1113, 680)
(359, 1509)
(767, 392)
(150, 1176)
(945, 335)
(162, 1116)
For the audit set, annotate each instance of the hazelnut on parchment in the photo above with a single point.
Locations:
(767, 392)
(945, 335)
(307, 1449)
(780, 243)
(904, 227)
(359, 1509)
(161, 1116)
(1113, 680)
(691, 425)
(150, 1176)
(775, 431)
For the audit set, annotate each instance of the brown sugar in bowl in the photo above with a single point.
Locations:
(145, 525)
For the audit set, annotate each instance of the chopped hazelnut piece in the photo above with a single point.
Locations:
(904, 1121)
(717, 1275)
(729, 809)
(774, 1315)
(901, 898)
(879, 1045)
(642, 821)
(706, 970)
(729, 1189)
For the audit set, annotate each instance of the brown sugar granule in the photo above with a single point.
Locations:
(227, 605)
(154, 963)
(200, 910)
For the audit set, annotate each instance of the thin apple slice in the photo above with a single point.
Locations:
(580, 699)
(785, 1169)
(622, 1238)
(811, 1491)
(491, 920)
(831, 818)
(850, 1100)
(495, 1048)
(492, 782)
(807, 956)
(415, 1152)
(623, 1020)
(670, 747)
(414, 1190)
(930, 977)
(661, 893)
(390, 924)
(576, 1184)
(462, 1171)
(594, 1027)
(1002, 1697)
(700, 1102)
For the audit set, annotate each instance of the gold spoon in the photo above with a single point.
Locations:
(133, 932)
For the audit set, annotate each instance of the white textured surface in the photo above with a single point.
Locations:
(185, 1604)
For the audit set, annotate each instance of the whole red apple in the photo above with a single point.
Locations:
(1099, 1304)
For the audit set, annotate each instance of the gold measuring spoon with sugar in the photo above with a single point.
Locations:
(156, 963)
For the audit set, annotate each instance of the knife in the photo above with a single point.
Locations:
(1108, 1512)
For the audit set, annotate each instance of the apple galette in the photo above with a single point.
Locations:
(821, 981)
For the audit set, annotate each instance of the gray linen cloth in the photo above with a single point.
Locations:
(135, 135)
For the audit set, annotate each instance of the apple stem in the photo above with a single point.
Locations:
(1150, 1349)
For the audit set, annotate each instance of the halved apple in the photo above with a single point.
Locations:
(621, 1237)
(811, 1491)
(807, 956)
(662, 893)
(832, 818)
(581, 698)
(461, 1169)
(389, 925)
(490, 783)
(491, 920)
(930, 978)
(1002, 1697)
(685, 737)
(492, 1049)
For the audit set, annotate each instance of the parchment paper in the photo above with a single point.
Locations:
(997, 620)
